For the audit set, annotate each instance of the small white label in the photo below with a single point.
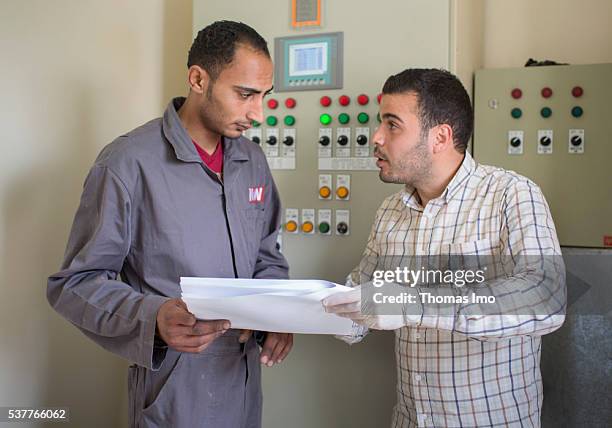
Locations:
(271, 150)
(343, 151)
(308, 216)
(324, 216)
(576, 141)
(292, 214)
(545, 141)
(362, 150)
(348, 164)
(343, 222)
(343, 181)
(516, 141)
(252, 133)
(288, 151)
(325, 180)
(281, 163)
(325, 151)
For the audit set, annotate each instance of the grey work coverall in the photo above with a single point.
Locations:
(153, 212)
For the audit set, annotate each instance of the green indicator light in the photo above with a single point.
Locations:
(271, 120)
(378, 117)
(289, 120)
(324, 227)
(546, 112)
(255, 124)
(577, 111)
(325, 119)
(344, 118)
(363, 118)
(516, 113)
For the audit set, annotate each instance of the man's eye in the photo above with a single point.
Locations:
(245, 95)
(391, 125)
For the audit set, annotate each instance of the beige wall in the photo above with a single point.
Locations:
(75, 74)
(572, 31)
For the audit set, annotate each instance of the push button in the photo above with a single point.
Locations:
(324, 227)
(291, 226)
(342, 192)
(342, 228)
(343, 140)
(307, 227)
(325, 192)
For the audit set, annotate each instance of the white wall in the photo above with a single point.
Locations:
(571, 31)
(75, 74)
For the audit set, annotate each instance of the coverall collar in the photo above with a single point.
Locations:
(181, 142)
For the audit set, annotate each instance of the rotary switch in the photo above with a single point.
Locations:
(343, 140)
(545, 141)
(271, 140)
(362, 140)
(515, 142)
(576, 140)
(324, 140)
(288, 141)
(256, 139)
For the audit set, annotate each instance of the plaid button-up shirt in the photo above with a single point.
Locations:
(470, 370)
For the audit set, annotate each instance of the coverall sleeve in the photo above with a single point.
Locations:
(271, 264)
(87, 291)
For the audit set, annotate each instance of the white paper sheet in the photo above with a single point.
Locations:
(284, 306)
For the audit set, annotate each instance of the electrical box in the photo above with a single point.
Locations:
(328, 181)
(552, 124)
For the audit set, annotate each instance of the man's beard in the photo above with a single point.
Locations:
(412, 170)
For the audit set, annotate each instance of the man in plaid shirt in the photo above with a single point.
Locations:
(460, 362)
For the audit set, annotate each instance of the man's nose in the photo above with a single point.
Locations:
(377, 138)
(255, 112)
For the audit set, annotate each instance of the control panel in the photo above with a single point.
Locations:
(552, 124)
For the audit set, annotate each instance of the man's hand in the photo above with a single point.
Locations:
(180, 329)
(349, 305)
(275, 348)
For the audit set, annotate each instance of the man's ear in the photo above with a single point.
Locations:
(198, 79)
(442, 138)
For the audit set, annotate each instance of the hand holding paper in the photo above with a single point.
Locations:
(287, 306)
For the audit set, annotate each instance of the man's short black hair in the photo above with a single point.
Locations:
(214, 47)
(441, 99)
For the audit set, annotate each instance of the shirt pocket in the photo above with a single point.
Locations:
(479, 247)
(482, 255)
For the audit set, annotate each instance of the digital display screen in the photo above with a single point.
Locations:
(307, 59)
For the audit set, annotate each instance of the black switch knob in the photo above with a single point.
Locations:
(576, 140)
(324, 140)
(545, 140)
(256, 139)
(343, 140)
(515, 142)
(288, 141)
(342, 228)
(271, 140)
(362, 140)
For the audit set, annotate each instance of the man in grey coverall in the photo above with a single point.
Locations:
(182, 195)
